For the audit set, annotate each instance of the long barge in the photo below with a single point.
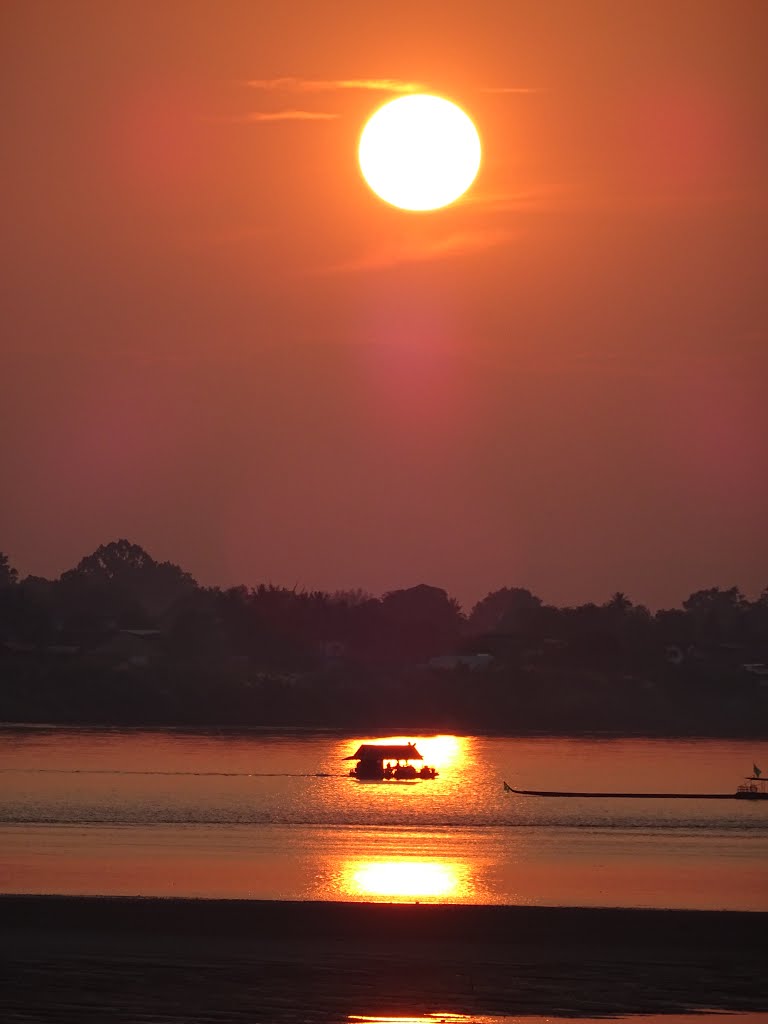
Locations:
(753, 788)
(626, 796)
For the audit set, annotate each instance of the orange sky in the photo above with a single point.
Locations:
(218, 343)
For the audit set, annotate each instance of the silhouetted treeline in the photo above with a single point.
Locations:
(124, 639)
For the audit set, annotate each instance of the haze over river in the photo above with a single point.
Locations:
(276, 816)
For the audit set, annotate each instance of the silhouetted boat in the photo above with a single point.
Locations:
(753, 788)
(388, 761)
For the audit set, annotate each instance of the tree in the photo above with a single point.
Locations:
(423, 620)
(351, 598)
(619, 603)
(10, 604)
(8, 575)
(502, 610)
(717, 615)
(129, 580)
(194, 634)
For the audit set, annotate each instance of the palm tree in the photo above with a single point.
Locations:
(619, 602)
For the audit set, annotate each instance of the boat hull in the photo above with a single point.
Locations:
(754, 788)
(642, 796)
(372, 772)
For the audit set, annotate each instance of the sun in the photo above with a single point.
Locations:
(419, 152)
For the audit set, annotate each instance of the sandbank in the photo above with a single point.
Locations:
(122, 959)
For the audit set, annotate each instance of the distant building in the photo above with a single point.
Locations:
(130, 648)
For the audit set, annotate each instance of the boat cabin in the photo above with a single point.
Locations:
(752, 788)
(389, 761)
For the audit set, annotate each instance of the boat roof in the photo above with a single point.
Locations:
(383, 751)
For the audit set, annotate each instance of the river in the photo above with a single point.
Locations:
(276, 816)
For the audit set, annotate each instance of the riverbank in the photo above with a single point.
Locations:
(562, 700)
(125, 959)
(752, 732)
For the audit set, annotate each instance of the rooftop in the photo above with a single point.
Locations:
(385, 751)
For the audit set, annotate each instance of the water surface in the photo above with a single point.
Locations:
(276, 816)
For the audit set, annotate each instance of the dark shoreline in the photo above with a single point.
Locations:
(78, 959)
(758, 735)
(430, 922)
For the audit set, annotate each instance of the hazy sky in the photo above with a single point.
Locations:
(218, 343)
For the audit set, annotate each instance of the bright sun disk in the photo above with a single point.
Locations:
(419, 152)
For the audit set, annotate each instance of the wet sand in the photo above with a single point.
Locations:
(88, 959)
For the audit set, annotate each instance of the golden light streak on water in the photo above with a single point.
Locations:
(438, 1017)
(404, 880)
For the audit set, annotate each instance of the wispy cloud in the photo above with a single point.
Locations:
(457, 244)
(543, 197)
(259, 117)
(511, 90)
(334, 84)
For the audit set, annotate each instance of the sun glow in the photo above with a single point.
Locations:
(438, 751)
(405, 879)
(419, 152)
(438, 1017)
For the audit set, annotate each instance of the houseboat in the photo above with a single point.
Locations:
(389, 761)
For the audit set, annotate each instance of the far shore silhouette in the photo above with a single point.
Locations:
(124, 639)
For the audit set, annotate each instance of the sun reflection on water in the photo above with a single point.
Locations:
(404, 879)
(432, 1018)
(439, 1017)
